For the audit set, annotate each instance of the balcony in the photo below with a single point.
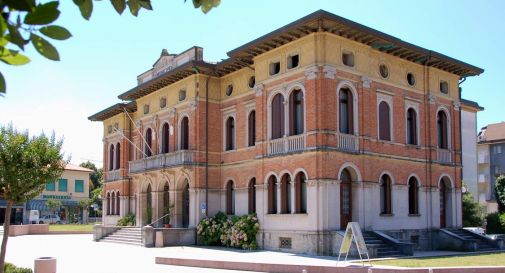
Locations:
(484, 178)
(161, 161)
(347, 143)
(286, 145)
(113, 175)
(444, 156)
(483, 159)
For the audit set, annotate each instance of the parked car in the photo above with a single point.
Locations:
(33, 218)
(50, 219)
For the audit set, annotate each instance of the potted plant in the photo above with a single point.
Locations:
(167, 211)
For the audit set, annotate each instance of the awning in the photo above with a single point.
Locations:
(3, 203)
(41, 204)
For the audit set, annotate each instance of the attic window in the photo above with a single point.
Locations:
(182, 94)
(252, 82)
(384, 71)
(163, 102)
(275, 68)
(411, 79)
(146, 109)
(444, 87)
(116, 125)
(348, 58)
(229, 90)
(109, 129)
(293, 61)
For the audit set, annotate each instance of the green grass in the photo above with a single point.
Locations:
(495, 259)
(88, 227)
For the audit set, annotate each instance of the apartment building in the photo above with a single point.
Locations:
(316, 124)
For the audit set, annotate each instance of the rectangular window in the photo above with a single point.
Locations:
(62, 185)
(293, 61)
(348, 59)
(50, 186)
(274, 68)
(497, 149)
(497, 170)
(79, 186)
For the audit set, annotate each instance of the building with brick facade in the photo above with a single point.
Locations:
(319, 123)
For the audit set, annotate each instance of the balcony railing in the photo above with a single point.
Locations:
(347, 143)
(444, 156)
(286, 144)
(161, 161)
(113, 175)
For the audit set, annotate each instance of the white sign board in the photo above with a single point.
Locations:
(353, 234)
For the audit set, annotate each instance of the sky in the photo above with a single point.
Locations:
(105, 54)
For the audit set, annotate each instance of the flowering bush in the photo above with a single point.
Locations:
(238, 232)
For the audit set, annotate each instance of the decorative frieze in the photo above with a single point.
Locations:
(193, 104)
(329, 72)
(311, 73)
(366, 81)
(432, 99)
(457, 105)
(258, 89)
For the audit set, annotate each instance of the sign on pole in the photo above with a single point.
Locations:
(353, 234)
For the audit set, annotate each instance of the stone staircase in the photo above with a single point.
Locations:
(482, 244)
(384, 250)
(129, 236)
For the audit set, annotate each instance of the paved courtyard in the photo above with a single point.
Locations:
(79, 254)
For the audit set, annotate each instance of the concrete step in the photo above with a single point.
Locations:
(134, 240)
(124, 236)
(122, 242)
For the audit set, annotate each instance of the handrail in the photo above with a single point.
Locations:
(159, 219)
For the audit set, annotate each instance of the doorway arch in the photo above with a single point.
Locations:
(445, 195)
(185, 204)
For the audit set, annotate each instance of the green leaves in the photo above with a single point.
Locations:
(119, 5)
(86, 7)
(133, 5)
(205, 5)
(13, 57)
(44, 47)
(3, 85)
(56, 32)
(43, 14)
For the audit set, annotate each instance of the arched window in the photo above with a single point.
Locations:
(251, 190)
(118, 204)
(166, 198)
(118, 156)
(411, 127)
(442, 130)
(230, 134)
(251, 129)
(108, 204)
(346, 112)
(286, 194)
(272, 195)
(385, 192)
(165, 136)
(277, 122)
(149, 197)
(149, 140)
(300, 193)
(230, 198)
(413, 196)
(384, 121)
(113, 204)
(296, 112)
(184, 141)
(111, 157)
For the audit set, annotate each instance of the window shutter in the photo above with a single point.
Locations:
(350, 112)
(384, 122)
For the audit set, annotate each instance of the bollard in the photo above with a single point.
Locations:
(45, 265)
(159, 239)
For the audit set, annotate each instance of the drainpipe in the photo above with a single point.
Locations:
(207, 146)
(429, 219)
(129, 178)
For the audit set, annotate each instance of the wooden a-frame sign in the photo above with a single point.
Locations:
(353, 234)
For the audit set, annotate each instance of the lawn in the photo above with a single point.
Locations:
(496, 259)
(88, 227)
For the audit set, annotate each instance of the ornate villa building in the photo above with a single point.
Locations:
(317, 124)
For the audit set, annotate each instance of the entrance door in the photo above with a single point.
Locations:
(185, 206)
(345, 199)
(443, 206)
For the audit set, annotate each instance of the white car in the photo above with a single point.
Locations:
(50, 219)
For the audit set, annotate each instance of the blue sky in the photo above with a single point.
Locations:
(105, 55)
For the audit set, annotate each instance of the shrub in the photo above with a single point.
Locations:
(473, 212)
(127, 220)
(238, 232)
(495, 223)
(10, 268)
(500, 193)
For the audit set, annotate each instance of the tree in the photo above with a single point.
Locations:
(27, 21)
(500, 193)
(53, 204)
(96, 176)
(473, 213)
(27, 164)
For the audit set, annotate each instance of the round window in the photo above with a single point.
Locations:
(252, 82)
(411, 79)
(229, 90)
(384, 71)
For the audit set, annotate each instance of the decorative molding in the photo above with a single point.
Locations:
(457, 105)
(171, 112)
(366, 81)
(193, 104)
(432, 99)
(388, 93)
(329, 72)
(258, 89)
(311, 72)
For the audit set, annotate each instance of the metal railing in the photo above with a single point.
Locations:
(161, 161)
(444, 156)
(286, 144)
(347, 142)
